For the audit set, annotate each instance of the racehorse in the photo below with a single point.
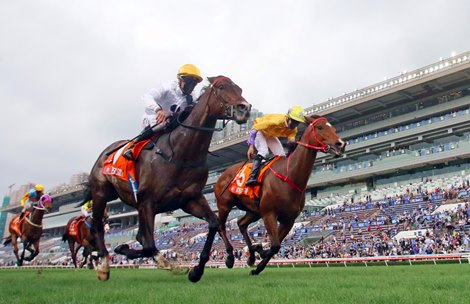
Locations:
(171, 175)
(282, 192)
(29, 231)
(77, 232)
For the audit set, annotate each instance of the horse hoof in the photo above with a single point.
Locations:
(103, 275)
(193, 276)
(229, 262)
(250, 262)
(253, 272)
(119, 249)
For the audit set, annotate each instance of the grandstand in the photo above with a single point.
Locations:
(408, 154)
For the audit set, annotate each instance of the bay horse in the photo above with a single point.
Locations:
(30, 230)
(282, 192)
(171, 175)
(81, 238)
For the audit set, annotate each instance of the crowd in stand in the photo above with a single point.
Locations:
(361, 227)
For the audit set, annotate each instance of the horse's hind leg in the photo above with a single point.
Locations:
(223, 214)
(145, 234)
(14, 243)
(200, 208)
(243, 224)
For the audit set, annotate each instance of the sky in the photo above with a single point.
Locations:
(72, 72)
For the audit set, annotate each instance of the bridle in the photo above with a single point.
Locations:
(323, 147)
(229, 109)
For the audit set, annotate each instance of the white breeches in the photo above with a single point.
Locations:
(264, 143)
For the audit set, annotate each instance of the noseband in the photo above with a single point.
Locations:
(323, 147)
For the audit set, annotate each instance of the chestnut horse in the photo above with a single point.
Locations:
(83, 238)
(282, 192)
(171, 175)
(31, 230)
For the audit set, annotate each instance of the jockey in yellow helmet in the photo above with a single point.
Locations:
(165, 100)
(264, 137)
(31, 197)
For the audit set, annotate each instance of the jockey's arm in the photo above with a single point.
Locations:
(24, 199)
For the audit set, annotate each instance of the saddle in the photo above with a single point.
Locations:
(238, 184)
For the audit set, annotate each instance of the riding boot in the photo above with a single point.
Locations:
(253, 179)
(145, 134)
(21, 216)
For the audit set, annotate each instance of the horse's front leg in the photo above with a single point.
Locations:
(200, 208)
(243, 224)
(33, 253)
(99, 204)
(25, 246)
(144, 236)
(270, 222)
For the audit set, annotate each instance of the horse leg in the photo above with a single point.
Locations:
(25, 245)
(270, 222)
(73, 252)
(85, 254)
(223, 214)
(34, 253)
(200, 208)
(14, 242)
(99, 204)
(243, 224)
(145, 234)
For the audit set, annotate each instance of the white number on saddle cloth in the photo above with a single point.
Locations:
(240, 178)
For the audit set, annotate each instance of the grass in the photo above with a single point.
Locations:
(442, 283)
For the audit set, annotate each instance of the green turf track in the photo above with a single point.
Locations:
(442, 283)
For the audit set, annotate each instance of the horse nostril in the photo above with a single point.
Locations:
(340, 144)
(242, 107)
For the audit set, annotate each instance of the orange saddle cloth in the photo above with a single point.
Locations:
(16, 223)
(238, 184)
(73, 228)
(119, 166)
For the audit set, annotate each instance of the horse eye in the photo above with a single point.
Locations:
(320, 127)
(221, 87)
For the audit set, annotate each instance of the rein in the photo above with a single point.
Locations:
(228, 111)
(323, 148)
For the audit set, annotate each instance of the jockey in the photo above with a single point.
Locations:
(87, 211)
(31, 197)
(170, 98)
(264, 137)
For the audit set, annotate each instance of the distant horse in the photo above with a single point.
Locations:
(282, 192)
(78, 235)
(171, 175)
(29, 231)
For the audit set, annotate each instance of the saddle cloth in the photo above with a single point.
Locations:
(119, 166)
(16, 223)
(238, 184)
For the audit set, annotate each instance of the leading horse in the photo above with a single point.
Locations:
(282, 192)
(171, 175)
(30, 230)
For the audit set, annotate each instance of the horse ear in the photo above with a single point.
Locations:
(309, 119)
(211, 79)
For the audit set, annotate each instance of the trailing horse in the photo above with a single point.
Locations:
(171, 175)
(281, 194)
(29, 230)
(78, 235)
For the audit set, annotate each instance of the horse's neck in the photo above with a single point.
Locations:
(36, 216)
(301, 163)
(196, 142)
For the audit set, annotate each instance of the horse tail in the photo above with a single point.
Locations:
(7, 240)
(86, 195)
(65, 237)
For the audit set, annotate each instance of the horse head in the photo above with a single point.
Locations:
(229, 102)
(45, 202)
(321, 135)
